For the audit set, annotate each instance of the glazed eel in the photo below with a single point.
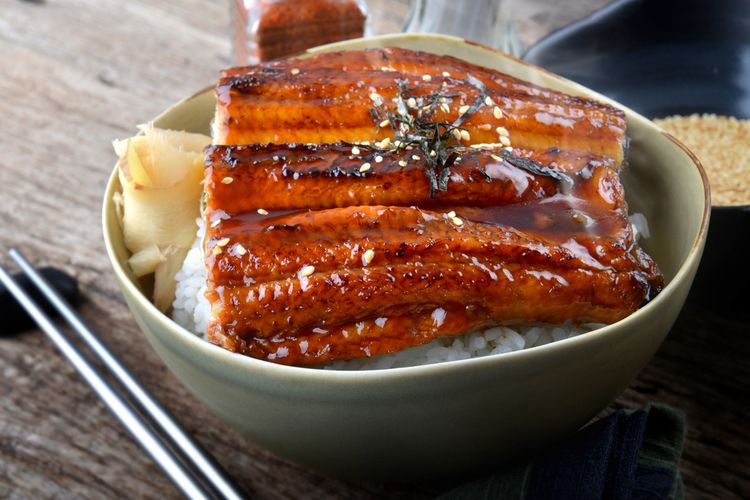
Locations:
(327, 98)
(310, 262)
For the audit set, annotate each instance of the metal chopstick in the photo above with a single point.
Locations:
(124, 412)
(188, 449)
(201, 459)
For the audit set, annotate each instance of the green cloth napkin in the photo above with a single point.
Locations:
(627, 455)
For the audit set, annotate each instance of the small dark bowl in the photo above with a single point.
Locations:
(664, 58)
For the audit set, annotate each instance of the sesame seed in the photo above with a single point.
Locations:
(504, 140)
(451, 214)
(485, 126)
(385, 123)
(217, 250)
(355, 150)
(465, 135)
(496, 158)
(488, 101)
(416, 157)
(222, 242)
(509, 148)
(365, 167)
(216, 223)
(368, 256)
(378, 159)
(227, 180)
(426, 78)
(376, 97)
(397, 143)
(411, 102)
(295, 71)
(502, 131)
(433, 153)
(306, 271)
(445, 108)
(443, 99)
(446, 74)
(457, 221)
(240, 249)
(262, 211)
(497, 112)
(458, 159)
(457, 134)
(721, 144)
(463, 109)
(402, 163)
(385, 143)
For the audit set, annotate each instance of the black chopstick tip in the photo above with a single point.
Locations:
(16, 319)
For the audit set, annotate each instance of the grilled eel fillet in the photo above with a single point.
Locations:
(366, 272)
(327, 98)
(284, 177)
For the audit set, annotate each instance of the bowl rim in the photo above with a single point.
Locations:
(297, 374)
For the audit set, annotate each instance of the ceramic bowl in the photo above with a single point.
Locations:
(456, 417)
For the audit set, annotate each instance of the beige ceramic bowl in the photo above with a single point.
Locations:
(454, 417)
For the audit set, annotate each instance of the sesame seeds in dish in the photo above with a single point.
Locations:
(720, 143)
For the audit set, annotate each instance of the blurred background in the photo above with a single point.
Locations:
(508, 25)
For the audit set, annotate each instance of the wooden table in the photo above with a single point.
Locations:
(77, 74)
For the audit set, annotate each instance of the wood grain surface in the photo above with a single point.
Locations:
(76, 74)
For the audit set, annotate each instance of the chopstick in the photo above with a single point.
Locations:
(172, 449)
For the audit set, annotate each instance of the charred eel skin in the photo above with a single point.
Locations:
(327, 98)
(300, 176)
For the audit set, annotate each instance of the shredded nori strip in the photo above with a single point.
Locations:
(435, 140)
(535, 168)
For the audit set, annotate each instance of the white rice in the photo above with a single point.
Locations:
(497, 340)
(191, 310)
